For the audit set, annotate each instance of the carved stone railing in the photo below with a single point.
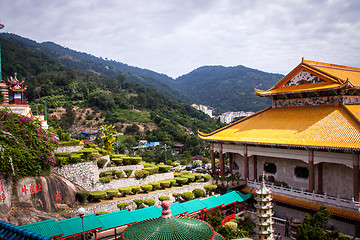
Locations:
(312, 196)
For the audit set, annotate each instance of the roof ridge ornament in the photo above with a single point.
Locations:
(166, 212)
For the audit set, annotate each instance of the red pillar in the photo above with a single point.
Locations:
(356, 176)
(212, 156)
(255, 167)
(320, 178)
(246, 163)
(222, 164)
(311, 170)
(231, 156)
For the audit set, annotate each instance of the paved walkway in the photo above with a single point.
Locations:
(280, 229)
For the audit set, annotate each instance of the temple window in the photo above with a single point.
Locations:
(270, 168)
(302, 172)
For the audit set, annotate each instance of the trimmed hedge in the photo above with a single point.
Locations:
(176, 196)
(105, 174)
(122, 205)
(163, 198)
(181, 180)
(135, 189)
(206, 177)
(152, 170)
(187, 196)
(210, 188)
(190, 177)
(74, 158)
(100, 213)
(117, 161)
(125, 190)
(138, 202)
(172, 182)
(98, 195)
(155, 185)
(146, 187)
(112, 192)
(128, 172)
(149, 202)
(81, 196)
(197, 176)
(112, 156)
(164, 183)
(101, 162)
(106, 179)
(141, 174)
(164, 168)
(198, 192)
(118, 174)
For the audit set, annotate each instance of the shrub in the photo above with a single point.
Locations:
(112, 156)
(135, 189)
(198, 192)
(206, 177)
(172, 182)
(146, 187)
(122, 205)
(74, 158)
(138, 202)
(100, 213)
(155, 185)
(125, 190)
(105, 174)
(164, 183)
(118, 174)
(152, 170)
(62, 154)
(187, 196)
(232, 225)
(101, 162)
(176, 196)
(81, 196)
(94, 156)
(169, 162)
(141, 174)
(163, 198)
(106, 179)
(164, 168)
(126, 160)
(135, 160)
(61, 161)
(197, 176)
(210, 188)
(180, 180)
(149, 202)
(190, 177)
(112, 192)
(86, 153)
(177, 174)
(97, 195)
(117, 161)
(128, 172)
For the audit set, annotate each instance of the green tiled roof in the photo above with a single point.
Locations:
(49, 228)
(193, 205)
(116, 219)
(146, 213)
(229, 198)
(218, 237)
(12, 232)
(173, 228)
(177, 209)
(73, 226)
(211, 202)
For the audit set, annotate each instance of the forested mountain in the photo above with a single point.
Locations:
(224, 88)
(67, 88)
(227, 88)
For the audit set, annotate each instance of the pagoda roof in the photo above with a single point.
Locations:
(311, 76)
(319, 126)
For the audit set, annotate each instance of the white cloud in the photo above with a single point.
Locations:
(174, 37)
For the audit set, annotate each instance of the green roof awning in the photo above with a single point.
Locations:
(146, 213)
(177, 209)
(49, 228)
(193, 205)
(211, 202)
(116, 219)
(73, 226)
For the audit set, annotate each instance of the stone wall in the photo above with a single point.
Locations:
(69, 149)
(112, 206)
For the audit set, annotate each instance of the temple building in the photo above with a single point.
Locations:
(307, 143)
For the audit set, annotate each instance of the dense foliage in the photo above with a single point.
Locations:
(26, 149)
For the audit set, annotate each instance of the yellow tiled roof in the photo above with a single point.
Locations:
(330, 126)
(309, 205)
(336, 76)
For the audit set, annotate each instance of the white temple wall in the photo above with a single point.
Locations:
(337, 180)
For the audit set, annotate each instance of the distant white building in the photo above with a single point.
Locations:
(204, 109)
(228, 117)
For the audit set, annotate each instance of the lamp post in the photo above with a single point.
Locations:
(81, 212)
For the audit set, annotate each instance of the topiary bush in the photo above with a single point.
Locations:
(101, 162)
(172, 182)
(164, 168)
(135, 160)
(163, 198)
(181, 181)
(96, 196)
(198, 192)
(81, 196)
(206, 177)
(122, 205)
(197, 176)
(118, 174)
(106, 179)
(149, 202)
(176, 196)
(155, 185)
(126, 160)
(164, 183)
(232, 225)
(100, 213)
(86, 152)
(210, 188)
(146, 187)
(128, 172)
(190, 177)
(187, 196)
(141, 174)
(117, 161)
(135, 189)
(105, 174)
(112, 193)
(125, 190)
(152, 170)
(138, 202)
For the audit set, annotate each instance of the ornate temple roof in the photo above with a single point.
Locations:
(315, 76)
(170, 227)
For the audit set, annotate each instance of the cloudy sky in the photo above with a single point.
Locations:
(176, 36)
